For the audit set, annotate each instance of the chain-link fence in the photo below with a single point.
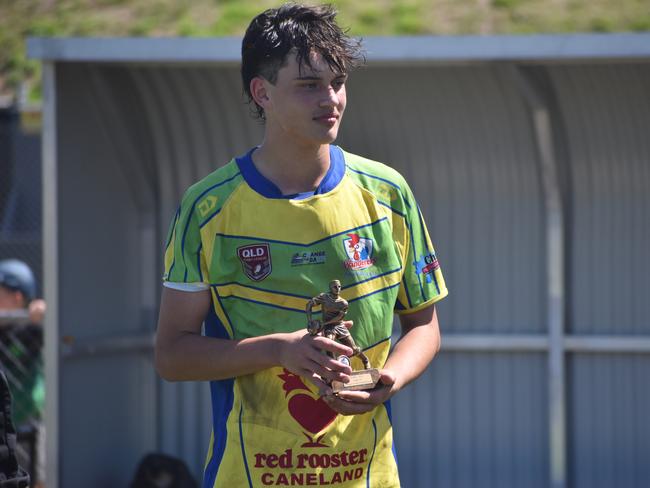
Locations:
(20, 193)
(21, 340)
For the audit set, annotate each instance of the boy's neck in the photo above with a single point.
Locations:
(292, 168)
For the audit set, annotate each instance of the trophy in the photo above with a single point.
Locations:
(333, 309)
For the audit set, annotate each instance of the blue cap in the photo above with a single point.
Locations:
(17, 275)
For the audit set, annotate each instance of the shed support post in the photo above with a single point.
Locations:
(51, 274)
(538, 100)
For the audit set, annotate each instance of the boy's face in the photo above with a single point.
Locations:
(10, 299)
(306, 104)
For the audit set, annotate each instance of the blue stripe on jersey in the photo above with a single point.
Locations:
(222, 402)
(373, 292)
(171, 233)
(371, 278)
(389, 412)
(272, 305)
(253, 238)
(198, 262)
(260, 184)
(261, 289)
(209, 218)
(169, 275)
(191, 210)
(385, 181)
(243, 450)
(392, 209)
(417, 275)
(406, 290)
(377, 343)
(374, 447)
(213, 326)
(225, 312)
(394, 451)
(426, 246)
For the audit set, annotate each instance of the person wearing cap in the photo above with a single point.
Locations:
(21, 338)
(18, 290)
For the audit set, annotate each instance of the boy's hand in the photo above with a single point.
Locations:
(302, 354)
(362, 401)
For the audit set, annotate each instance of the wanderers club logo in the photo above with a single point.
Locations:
(359, 251)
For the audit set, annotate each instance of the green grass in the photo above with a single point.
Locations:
(20, 19)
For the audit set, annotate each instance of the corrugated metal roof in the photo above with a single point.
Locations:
(393, 50)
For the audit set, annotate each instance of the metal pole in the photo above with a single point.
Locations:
(51, 275)
(538, 101)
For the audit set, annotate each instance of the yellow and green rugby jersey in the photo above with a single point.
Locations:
(263, 256)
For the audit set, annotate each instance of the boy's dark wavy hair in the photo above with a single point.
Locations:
(274, 33)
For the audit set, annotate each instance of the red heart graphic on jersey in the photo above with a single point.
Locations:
(311, 413)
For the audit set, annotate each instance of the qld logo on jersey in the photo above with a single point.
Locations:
(359, 251)
(255, 260)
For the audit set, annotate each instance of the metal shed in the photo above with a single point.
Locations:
(530, 158)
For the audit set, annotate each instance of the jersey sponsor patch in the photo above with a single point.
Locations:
(255, 260)
(315, 463)
(426, 265)
(359, 251)
(290, 468)
(302, 258)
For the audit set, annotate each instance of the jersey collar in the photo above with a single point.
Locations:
(266, 188)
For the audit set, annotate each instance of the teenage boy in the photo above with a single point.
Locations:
(254, 241)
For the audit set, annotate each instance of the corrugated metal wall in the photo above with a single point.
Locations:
(462, 138)
(606, 110)
(132, 138)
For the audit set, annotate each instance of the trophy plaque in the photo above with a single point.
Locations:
(333, 310)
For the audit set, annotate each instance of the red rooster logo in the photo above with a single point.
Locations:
(311, 412)
(353, 244)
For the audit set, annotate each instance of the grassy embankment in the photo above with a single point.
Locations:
(20, 19)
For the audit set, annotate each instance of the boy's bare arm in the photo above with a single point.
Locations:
(182, 353)
(419, 343)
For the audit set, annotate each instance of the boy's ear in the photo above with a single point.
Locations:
(259, 92)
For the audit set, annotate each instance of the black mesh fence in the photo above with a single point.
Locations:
(21, 357)
(21, 340)
(20, 194)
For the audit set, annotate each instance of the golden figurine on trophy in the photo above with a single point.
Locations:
(333, 310)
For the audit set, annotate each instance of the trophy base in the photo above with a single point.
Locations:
(364, 379)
